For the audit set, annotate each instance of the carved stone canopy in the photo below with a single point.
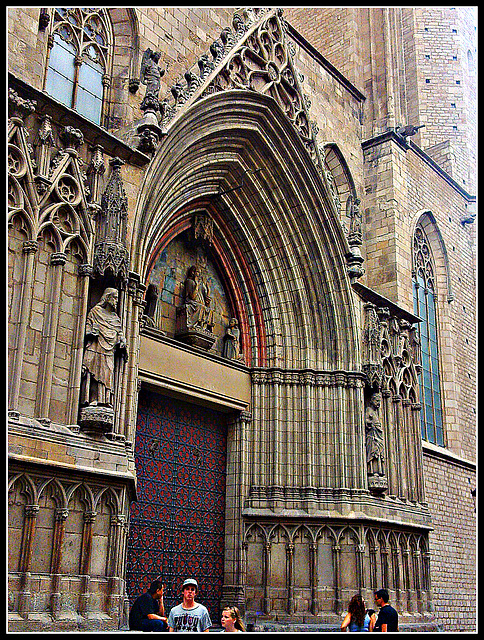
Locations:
(110, 252)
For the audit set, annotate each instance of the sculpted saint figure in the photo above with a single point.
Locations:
(151, 73)
(374, 436)
(104, 336)
(197, 302)
(231, 349)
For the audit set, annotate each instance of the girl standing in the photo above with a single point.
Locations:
(357, 618)
(232, 620)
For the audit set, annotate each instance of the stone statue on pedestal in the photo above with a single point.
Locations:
(151, 73)
(195, 318)
(198, 301)
(231, 349)
(375, 444)
(104, 338)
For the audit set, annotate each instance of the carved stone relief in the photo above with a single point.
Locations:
(294, 569)
(195, 317)
(191, 302)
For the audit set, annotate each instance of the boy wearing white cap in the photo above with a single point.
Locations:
(189, 615)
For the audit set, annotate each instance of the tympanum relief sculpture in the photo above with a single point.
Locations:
(195, 318)
(187, 296)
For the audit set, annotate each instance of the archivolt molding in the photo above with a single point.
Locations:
(238, 152)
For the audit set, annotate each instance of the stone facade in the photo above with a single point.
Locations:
(271, 180)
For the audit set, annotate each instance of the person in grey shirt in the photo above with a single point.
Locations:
(189, 616)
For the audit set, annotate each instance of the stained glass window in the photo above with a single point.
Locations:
(78, 59)
(424, 304)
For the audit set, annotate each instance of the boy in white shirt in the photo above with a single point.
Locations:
(189, 615)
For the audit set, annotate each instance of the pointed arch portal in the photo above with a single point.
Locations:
(280, 252)
(277, 236)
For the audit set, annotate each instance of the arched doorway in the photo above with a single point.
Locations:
(177, 524)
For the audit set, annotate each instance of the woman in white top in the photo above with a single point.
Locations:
(232, 620)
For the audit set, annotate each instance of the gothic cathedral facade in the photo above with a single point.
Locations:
(241, 312)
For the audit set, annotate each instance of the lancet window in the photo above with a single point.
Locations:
(424, 302)
(79, 51)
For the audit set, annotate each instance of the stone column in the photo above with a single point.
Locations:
(373, 567)
(417, 449)
(115, 595)
(416, 557)
(266, 571)
(85, 272)
(309, 386)
(341, 449)
(400, 452)
(397, 576)
(384, 565)
(360, 568)
(30, 248)
(237, 490)
(85, 564)
(390, 444)
(426, 580)
(406, 578)
(276, 426)
(128, 403)
(291, 605)
(58, 538)
(31, 512)
(313, 577)
(338, 606)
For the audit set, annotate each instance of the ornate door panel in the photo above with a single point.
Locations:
(177, 524)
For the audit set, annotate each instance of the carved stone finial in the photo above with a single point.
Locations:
(71, 137)
(110, 252)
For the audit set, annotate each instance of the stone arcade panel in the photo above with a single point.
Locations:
(297, 572)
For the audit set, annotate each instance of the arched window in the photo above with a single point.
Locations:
(424, 304)
(77, 70)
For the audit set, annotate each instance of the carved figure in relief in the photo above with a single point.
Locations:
(231, 349)
(198, 301)
(104, 336)
(374, 436)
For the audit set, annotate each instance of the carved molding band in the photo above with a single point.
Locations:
(350, 379)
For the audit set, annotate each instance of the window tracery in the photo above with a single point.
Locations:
(79, 58)
(424, 301)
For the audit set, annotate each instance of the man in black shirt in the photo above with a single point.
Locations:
(387, 617)
(148, 610)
